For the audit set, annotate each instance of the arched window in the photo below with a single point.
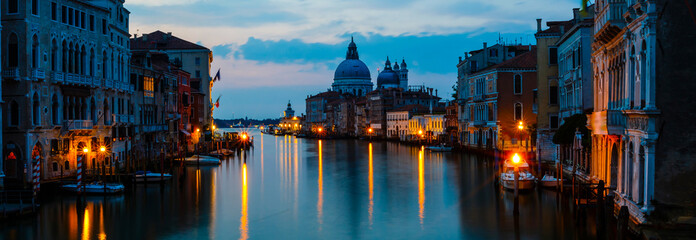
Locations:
(36, 110)
(643, 75)
(105, 60)
(14, 113)
(90, 69)
(107, 113)
(55, 110)
(518, 111)
(518, 84)
(35, 52)
(64, 56)
(13, 50)
(66, 166)
(54, 165)
(54, 49)
(93, 110)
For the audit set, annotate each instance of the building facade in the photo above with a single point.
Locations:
(575, 66)
(65, 82)
(640, 94)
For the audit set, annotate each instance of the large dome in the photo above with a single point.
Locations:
(352, 69)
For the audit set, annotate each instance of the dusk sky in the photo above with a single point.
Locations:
(272, 51)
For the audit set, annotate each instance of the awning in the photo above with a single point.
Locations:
(185, 132)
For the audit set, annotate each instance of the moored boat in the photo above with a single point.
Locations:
(201, 160)
(550, 181)
(95, 188)
(439, 148)
(525, 179)
(142, 176)
(222, 152)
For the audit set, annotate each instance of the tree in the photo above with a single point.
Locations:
(566, 132)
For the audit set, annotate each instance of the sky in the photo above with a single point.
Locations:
(270, 52)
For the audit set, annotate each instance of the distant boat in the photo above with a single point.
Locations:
(142, 176)
(201, 160)
(238, 125)
(96, 188)
(439, 148)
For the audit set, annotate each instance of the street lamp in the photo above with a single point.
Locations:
(85, 150)
(101, 149)
(369, 130)
(520, 126)
(516, 158)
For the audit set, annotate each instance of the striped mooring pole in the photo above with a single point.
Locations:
(36, 174)
(79, 174)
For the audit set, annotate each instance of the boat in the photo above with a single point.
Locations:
(550, 181)
(143, 176)
(238, 125)
(526, 180)
(95, 188)
(222, 152)
(201, 160)
(439, 148)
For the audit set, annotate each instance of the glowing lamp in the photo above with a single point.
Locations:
(319, 129)
(102, 149)
(213, 127)
(244, 136)
(85, 150)
(369, 130)
(516, 158)
(420, 132)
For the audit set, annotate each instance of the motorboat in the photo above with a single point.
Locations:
(201, 160)
(147, 176)
(222, 152)
(525, 179)
(95, 188)
(439, 148)
(550, 181)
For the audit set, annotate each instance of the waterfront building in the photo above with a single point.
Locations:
(316, 107)
(435, 126)
(500, 99)
(575, 66)
(290, 122)
(352, 75)
(398, 120)
(546, 103)
(451, 123)
(195, 59)
(382, 100)
(642, 120)
(65, 82)
(475, 61)
(184, 103)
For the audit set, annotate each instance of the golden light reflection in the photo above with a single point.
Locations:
(320, 184)
(244, 220)
(371, 182)
(296, 176)
(421, 185)
(85, 225)
(198, 184)
(102, 234)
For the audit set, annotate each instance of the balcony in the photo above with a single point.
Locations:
(609, 20)
(77, 79)
(154, 128)
(108, 83)
(131, 119)
(11, 73)
(608, 122)
(73, 125)
(479, 98)
(57, 77)
(38, 74)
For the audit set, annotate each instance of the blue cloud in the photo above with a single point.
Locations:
(221, 50)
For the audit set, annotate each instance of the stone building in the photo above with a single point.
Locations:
(194, 59)
(575, 66)
(397, 120)
(546, 103)
(65, 80)
(642, 131)
(499, 98)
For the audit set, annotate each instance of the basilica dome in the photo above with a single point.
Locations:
(388, 77)
(352, 69)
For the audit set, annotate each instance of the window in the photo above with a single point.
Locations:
(13, 48)
(198, 74)
(553, 55)
(35, 7)
(64, 14)
(493, 52)
(36, 110)
(55, 166)
(71, 16)
(12, 6)
(518, 111)
(55, 110)
(67, 165)
(553, 122)
(54, 11)
(35, 52)
(518, 84)
(553, 95)
(104, 26)
(198, 61)
(82, 20)
(474, 66)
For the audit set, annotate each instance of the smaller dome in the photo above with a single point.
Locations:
(403, 64)
(388, 77)
(396, 66)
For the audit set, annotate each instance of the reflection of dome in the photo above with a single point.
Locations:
(388, 78)
(352, 69)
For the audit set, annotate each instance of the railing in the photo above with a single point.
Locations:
(78, 124)
(122, 118)
(131, 119)
(11, 73)
(611, 13)
(57, 77)
(38, 74)
(108, 83)
(96, 82)
(479, 97)
(153, 128)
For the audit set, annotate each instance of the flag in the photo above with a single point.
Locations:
(217, 102)
(217, 76)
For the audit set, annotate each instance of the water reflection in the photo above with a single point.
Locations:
(320, 186)
(244, 220)
(371, 183)
(421, 185)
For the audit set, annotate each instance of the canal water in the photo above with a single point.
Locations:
(296, 188)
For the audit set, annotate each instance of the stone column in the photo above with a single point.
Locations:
(650, 38)
(649, 171)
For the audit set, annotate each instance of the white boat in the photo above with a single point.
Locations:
(141, 176)
(439, 148)
(96, 188)
(201, 160)
(525, 179)
(550, 181)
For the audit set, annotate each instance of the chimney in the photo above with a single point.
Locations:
(562, 28)
(576, 14)
(485, 56)
(436, 92)
(538, 24)
(135, 35)
(460, 58)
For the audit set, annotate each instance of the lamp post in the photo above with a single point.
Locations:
(369, 133)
